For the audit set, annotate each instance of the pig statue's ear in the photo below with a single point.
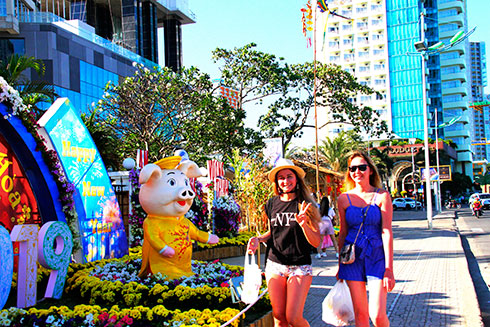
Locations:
(190, 169)
(149, 172)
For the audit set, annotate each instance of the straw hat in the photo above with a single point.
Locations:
(285, 164)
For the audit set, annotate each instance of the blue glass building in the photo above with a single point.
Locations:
(406, 71)
(86, 44)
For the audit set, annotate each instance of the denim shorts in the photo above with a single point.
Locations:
(274, 268)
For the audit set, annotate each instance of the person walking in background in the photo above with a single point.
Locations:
(293, 228)
(326, 228)
(366, 213)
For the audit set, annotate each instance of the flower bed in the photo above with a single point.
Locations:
(109, 293)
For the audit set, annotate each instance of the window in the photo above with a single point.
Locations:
(9, 47)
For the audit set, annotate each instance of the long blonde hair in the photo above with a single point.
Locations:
(374, 178)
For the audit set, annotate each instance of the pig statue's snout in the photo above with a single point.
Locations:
(187, 194)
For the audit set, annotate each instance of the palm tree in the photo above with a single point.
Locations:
(31, 92)
(383, 161)
(334, 152)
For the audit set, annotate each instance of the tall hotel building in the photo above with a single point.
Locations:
(373, 46)
(85, 44)
(481, 118)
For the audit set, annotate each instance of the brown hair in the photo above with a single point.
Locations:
(303, 194)
(374, 178)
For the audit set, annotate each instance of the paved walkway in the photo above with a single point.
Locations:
(433, 288)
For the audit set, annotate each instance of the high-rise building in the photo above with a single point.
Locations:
(456, 81)
(374, 46)
(359, 46)
(480, 130)
(85, 44)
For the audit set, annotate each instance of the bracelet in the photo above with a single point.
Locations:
(389, 269)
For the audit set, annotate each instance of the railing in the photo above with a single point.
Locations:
(47, 17)
(178, 5)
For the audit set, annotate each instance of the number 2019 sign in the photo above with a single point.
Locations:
(51, 246)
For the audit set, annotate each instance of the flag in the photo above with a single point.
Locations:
(221, 187)
(215, 169)
(141, 158)
(192, 182)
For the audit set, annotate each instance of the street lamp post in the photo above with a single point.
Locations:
(424, 51)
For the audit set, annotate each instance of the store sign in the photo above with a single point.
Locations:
(101, 225)
(444, 173)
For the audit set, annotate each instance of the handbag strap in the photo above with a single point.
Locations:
(364, 216)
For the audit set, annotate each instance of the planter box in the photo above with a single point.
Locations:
(266, 321)
(222, 252)
(219, 253)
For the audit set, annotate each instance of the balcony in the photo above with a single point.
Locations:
(448, 34)
(364, 70)
(377, 23)
(465, 156)
(47, 17)
(377, 9)
(455, 76)
(179, 8)
(455, 105)
(362, 26)
(456, 90)
(378, 53)
(456, 4)
(461, 62)
(362, 41)
(377, 38)
(347, 44)
(459, 133)
(459, 18)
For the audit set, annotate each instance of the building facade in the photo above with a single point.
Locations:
(480, 131)
(86, 44)
(456, 81)
(374, 45)
(359, 46)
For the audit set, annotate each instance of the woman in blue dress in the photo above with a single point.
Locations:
(367, 207)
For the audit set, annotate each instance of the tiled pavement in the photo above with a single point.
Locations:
(433, 288)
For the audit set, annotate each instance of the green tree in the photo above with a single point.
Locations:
(160, 110)
(287, 116)
(383, 161)
(334, 152)
(253, 73)
(459, 184)
(483, 179)
(32, 92)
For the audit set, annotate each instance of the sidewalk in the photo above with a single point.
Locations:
(433, 288)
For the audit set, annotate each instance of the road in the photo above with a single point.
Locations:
(475, 238)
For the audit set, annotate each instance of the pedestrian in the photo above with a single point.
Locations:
(326, 228)
(366, 213)
(293, 229)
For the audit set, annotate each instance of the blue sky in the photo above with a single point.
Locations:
(275, 26)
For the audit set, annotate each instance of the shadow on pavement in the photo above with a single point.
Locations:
(481, 288)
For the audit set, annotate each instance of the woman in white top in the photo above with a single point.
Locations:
(326, 228)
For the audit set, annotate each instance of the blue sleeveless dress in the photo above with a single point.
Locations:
(370, 257)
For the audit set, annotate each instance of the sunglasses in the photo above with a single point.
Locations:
(360, 167)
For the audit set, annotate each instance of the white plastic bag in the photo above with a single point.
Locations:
(252, 279)
(337, 308)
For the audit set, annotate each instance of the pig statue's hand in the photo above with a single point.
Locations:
(213, 239)
(167, 251)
